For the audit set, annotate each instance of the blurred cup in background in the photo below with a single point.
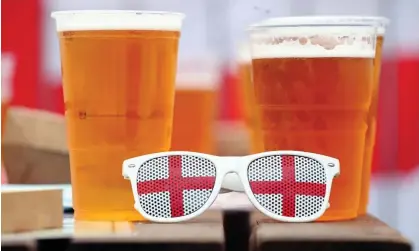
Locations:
(196, 99)
(313, 79)
(118, 70)
(251, 116)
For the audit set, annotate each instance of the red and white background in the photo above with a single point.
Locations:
(215, 27)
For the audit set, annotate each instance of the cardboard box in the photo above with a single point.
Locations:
(34, 147)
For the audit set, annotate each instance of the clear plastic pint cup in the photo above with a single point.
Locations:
(118, 70)
(313, 84)
(381, 23)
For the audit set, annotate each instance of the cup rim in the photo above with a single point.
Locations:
(325, 20)
(60, 13)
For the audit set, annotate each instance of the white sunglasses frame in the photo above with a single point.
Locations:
(225, 165)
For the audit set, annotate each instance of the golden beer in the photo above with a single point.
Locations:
(313, 88)
(251, 119)
(118, 70)
(194, 114)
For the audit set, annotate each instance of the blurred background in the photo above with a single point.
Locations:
(212, 33)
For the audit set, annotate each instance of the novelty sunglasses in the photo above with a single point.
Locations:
(290, 186)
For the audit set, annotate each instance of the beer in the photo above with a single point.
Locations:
(313, 89)
(372, 127)
(118, 70)
(194, 113)
(251, 118)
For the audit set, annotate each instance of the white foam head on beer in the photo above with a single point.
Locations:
(83, 20)
(313, 41)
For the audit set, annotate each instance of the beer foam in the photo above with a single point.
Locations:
(313, 41)
(197, 81)
(117, 20)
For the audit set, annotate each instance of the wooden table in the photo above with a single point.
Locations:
(213, 231)
(364, 233)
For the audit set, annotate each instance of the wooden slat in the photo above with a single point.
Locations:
(366, 231)
(204, 233)
(155, 233)
(207, 228)
(30, 210)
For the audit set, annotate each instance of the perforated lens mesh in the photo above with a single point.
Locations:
(287, 185)
(175, 186)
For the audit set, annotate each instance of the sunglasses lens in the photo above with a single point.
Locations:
(287, 185)
(175, 186)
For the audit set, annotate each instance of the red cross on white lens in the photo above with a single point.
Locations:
(285, 185)
(175, 186)
(290, 186)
